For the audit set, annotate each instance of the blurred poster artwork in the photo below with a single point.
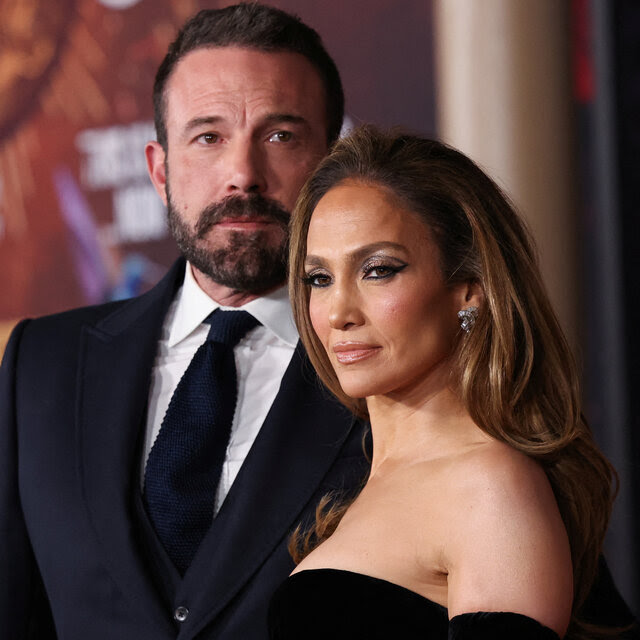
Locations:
(80, 222)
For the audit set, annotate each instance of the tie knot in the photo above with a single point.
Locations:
(228, 327)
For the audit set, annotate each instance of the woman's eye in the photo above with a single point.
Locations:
(381, 271)
(317, 280)
(377, 272)
(280, 136)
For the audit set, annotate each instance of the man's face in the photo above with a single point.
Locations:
(244, 130)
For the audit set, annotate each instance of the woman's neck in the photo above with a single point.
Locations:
(419, 425)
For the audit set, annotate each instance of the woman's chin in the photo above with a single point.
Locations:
(360, 391)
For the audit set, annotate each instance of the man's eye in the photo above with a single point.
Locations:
(280, 136)
(208, 138)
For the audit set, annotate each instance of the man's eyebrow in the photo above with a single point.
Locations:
(274, 118)
(196, 123)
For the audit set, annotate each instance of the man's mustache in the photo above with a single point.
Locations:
(252, 206)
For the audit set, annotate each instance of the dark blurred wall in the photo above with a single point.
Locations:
(607, 91)
(626, 128)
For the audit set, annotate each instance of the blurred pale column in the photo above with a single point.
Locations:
(503, 94)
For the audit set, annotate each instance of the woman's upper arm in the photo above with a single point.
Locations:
(508, 550)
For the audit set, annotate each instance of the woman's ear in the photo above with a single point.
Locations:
(469, 299)
(471, 295)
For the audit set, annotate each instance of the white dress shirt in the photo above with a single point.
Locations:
(262, 358)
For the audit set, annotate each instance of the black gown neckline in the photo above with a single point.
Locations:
(316, 604)
(357, 575)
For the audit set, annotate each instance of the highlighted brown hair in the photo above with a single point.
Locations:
(514, 371)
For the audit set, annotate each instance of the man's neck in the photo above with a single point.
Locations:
(223, 295)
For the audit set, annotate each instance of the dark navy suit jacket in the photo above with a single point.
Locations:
(76, 551)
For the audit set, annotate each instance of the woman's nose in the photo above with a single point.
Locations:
(344, 310)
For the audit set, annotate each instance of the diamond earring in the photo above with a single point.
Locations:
(468, 318)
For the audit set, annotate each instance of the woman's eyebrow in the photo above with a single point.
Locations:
(357, 254)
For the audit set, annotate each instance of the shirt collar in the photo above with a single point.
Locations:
(193, 305)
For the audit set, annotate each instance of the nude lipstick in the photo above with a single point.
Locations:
(352, 352)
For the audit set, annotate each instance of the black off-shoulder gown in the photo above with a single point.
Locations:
(333, 604)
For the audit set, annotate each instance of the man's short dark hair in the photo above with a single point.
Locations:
(253, 26)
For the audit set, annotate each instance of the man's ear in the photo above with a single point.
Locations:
(156, 166)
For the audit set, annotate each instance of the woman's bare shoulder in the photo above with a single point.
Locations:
(493, 470)
(487, 474)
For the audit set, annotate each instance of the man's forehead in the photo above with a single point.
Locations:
(234, 68)
(221, 81)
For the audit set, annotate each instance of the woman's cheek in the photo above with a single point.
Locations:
(319, 315)
(394, 308)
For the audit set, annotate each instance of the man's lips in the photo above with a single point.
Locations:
(351, 352)
(247, 223)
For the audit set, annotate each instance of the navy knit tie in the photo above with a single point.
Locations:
(185, 462)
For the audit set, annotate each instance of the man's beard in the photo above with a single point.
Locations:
(248, 261)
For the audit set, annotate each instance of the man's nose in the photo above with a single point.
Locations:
(245, 169)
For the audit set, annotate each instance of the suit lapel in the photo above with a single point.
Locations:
(297, 445)
(299, 441)
(114, 372)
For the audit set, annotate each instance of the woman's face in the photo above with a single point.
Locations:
(378, 302)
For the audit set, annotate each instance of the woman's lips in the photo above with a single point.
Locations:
(350, 352)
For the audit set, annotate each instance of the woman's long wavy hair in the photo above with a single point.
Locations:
(514, 371)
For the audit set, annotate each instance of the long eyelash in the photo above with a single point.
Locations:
(393, 269)
(310, 280)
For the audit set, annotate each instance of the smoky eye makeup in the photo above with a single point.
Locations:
(381, 267)
(317, 279)
(373, 267)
